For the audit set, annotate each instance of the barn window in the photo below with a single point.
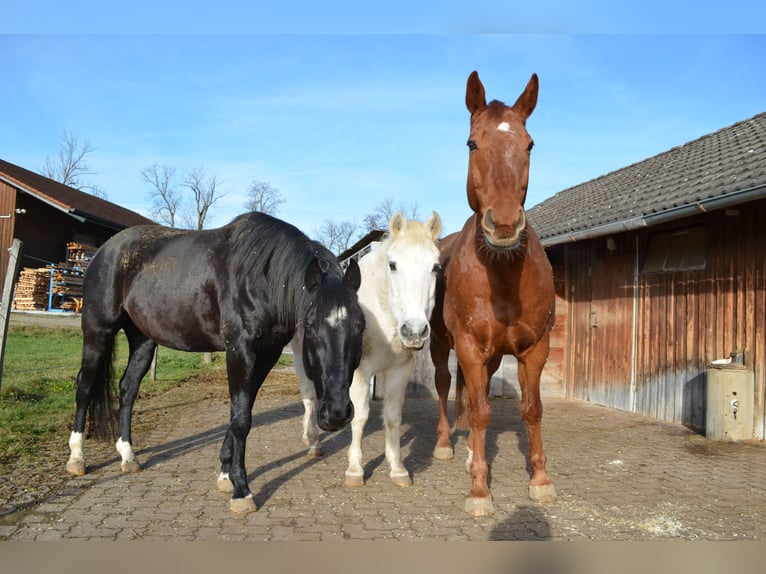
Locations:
(679, 250)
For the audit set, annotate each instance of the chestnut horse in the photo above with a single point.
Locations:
(495, 293)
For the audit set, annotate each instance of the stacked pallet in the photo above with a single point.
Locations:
(32, 289)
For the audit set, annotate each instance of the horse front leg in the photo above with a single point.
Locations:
(442, 379)
(360, 397)
(397, 379)
(246, 374)
(531, 364)
(479, 499)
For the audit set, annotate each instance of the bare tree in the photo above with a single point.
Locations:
(385, 210)
(205, 192)
(261, 196)
(165, 197)
(336, 236)
(70, 165)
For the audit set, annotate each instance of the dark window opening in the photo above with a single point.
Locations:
(679, 250)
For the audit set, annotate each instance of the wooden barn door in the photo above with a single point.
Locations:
(611, 331)
(601, 287)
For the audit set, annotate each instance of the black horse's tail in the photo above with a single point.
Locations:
(103, 411)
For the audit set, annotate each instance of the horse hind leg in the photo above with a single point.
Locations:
(310, 436)
(141, 354)
(94, 384)
(531, 364)
(442, 378)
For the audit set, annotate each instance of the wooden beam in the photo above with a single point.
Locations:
(5, 304)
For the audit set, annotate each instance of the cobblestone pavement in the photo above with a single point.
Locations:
(619, 476)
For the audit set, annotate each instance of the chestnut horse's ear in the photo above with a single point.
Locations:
(475, 98)
(527, 101)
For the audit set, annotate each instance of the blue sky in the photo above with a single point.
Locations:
(338, 121)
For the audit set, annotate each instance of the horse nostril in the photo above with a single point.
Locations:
(522, 221)
(489, 222)
(426, 331)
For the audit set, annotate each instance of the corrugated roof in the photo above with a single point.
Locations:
(724, 165)
(73, 201)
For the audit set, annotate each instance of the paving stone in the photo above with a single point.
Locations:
(619, 476)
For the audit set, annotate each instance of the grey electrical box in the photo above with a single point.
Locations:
(730, 390)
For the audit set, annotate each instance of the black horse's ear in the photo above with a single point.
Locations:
(353, 276)
(313, 275)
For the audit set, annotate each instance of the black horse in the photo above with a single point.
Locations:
(246, 288)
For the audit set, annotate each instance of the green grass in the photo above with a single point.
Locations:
(37, 397)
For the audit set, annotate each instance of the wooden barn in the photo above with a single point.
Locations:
(661, 269)
(48, 217)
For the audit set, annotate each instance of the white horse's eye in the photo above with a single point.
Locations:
(392, 265)
(436, 268)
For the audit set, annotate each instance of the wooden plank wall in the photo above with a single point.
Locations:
(684, 321)
(7, 207)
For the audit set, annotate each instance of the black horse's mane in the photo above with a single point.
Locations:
(278, 253)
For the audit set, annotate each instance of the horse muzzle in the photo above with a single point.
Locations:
(413, 335)
(503, 237)
(333, 416)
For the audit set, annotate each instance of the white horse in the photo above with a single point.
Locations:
(397, 297)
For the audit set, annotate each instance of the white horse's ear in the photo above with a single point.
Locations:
(434, 225)
(397, 224)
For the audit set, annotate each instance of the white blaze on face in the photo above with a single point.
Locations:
(504, 127)
(337, 316)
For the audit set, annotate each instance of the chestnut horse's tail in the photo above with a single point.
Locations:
(461, 403)
(103, 413)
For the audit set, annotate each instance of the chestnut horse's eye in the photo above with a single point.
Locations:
(531, 145)
(471, 145)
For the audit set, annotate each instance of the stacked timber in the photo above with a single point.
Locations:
(79, 254)
(35, 285)
(32, 289)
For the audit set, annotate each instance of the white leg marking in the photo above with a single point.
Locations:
(125, 450)
(76, 463)
(75, 446)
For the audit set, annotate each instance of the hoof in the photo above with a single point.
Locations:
(130, 466)
(545, 493)
(402, 480)
(354, 480)
(76, 467)
(444, 453)
(315, 451)
(242, 505)
(224, 484)
(479, 506)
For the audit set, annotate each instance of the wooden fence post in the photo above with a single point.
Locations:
(5, 304)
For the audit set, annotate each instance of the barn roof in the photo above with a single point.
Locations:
(370, 237)
(721, 169)
(78, 204)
